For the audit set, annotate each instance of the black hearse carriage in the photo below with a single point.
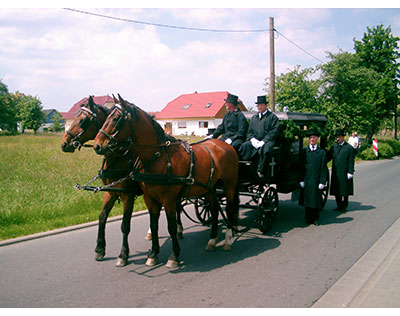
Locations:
(281, 175)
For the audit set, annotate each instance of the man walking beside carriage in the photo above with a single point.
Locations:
(313, 177)
(342, 156)
(261, 135)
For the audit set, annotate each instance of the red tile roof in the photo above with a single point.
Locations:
(195, 105)
(101, 100)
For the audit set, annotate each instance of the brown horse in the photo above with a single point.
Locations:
(172, 171)
(116, 165)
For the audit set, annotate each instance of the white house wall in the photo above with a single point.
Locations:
(192, 126)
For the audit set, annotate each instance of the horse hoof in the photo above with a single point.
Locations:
(172, 264)
(121, 262)
(99, 256)
(210, 248)
(226, 247)
(150, 262)
(148, 236)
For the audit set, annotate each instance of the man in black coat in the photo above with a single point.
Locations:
(234, 124)
(261, 136)
(313, 177)
(342, 155)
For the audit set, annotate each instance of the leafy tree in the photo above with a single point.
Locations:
(30, 112)
(353, 95)
(8, 111)
(296, 91)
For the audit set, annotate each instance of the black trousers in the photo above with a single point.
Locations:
(342, 202)
(312, 215)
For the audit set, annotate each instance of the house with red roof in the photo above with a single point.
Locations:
(69, 116)
(194, 113)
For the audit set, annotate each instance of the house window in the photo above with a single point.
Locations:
(186, 106)
(203, 124)
(208, 105)
(181, 124)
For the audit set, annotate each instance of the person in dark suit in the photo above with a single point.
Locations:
(234, 124)
(342, 156)
(261, 136)
(313, 178)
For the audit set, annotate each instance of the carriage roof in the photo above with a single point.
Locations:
(300, 118)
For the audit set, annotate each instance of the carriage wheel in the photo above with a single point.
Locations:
(203, 212)
(268, 209)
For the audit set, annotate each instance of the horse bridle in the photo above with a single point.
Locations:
(113, 144)
(84, 125)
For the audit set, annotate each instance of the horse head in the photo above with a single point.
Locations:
(114, 135)
(85, 126)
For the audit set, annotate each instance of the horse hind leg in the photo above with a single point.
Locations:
(152, 258)
(173, 260)
(212, 243)
(232, 210)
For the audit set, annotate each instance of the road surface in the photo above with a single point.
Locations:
(292, 266)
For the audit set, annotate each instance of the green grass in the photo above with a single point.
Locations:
(37, 186)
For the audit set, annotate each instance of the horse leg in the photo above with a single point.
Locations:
(179, 220)
(148, 234)
(212, 199)
(108, 203)
(128, 200)
(173, 260)
(154, 212)
(232, 209)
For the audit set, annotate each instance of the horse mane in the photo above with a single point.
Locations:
(161, 136)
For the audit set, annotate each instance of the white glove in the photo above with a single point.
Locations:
(254, 142)
(321, 186)
(208, 137)
(302, 184)
(260, 144)
(349, 176)
(228, 141)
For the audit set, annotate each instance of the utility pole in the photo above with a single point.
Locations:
(271, 65)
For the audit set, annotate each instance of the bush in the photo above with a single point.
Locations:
(367, 154)
(385, 150)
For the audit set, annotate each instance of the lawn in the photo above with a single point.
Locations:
(37, 186)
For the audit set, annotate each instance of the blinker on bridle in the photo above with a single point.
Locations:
(114, 144)
(84, 125)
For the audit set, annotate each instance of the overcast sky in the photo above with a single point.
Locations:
(62, 56)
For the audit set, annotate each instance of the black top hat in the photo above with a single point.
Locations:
(313, 131)
(340, 131)
(261, 99)
(232, 99)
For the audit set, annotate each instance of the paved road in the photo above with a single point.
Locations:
(293, 266)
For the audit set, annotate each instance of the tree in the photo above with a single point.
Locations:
(296, 91)
(30, 112)
(353, 95)
(8, 111)
(378, 50)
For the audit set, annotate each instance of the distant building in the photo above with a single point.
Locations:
(50, 116)
(69, 116)
(194, 114)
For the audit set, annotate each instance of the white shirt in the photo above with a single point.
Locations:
(353, 141)
(260, 114)
(313, 147)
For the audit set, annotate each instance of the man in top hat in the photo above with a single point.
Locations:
(313, 177)
(342, 155)
(261, 136)
(234, 124)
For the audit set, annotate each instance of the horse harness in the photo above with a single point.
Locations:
(84, 125)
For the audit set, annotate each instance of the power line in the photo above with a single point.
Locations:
(189, 28)
(298, 46)
(165, 25)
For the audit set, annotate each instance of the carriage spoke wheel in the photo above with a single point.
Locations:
(268, 209)
(203, 212)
